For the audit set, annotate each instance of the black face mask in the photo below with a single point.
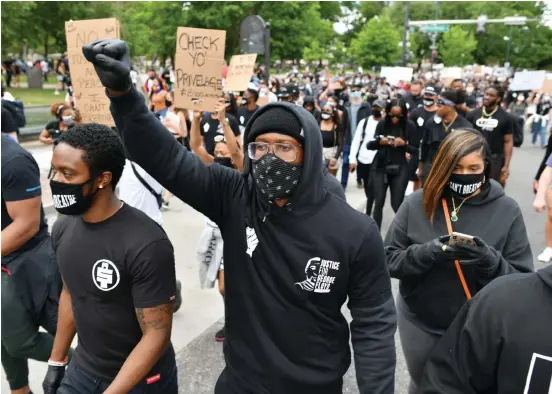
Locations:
(464, 185)
(224, 161)
(428, 103)
(338, 91)
(168, 103)
(274, 177)
(68, 198)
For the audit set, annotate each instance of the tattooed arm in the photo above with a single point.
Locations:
(153, 288)
(156, 324)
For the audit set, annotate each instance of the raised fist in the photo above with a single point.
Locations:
(111, 59)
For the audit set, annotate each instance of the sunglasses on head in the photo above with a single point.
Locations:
(444, 101)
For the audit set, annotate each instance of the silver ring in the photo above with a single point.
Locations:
(444, 248)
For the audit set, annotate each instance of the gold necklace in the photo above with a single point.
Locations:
(454, 214)
(447, 128)
(485, 114)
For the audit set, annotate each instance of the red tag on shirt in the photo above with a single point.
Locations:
(153, 379)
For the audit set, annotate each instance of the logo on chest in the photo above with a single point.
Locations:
(252, 240)
(105, 275)
(487, 124)
(320, 274)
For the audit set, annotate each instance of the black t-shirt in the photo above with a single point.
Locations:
(8, 124)
(413, 102)
(110, 268)
(494, 128)
(210, 128)
(419, 116)
(243, 115)
(54, 131)
(20, 181)
(434, 134)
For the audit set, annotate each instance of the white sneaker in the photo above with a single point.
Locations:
(56, 93)
(546, 255)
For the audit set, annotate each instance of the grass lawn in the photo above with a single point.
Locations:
(35, 97)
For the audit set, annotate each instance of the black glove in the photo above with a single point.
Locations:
(433, 251)
(53, 379)
(111, 59)
(480, 255)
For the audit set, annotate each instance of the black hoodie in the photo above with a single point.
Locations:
(433, 292)
(287, 270)
(500, 342)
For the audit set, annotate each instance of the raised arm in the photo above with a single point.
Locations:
(196, 140)
(211, 190)
(233, 146)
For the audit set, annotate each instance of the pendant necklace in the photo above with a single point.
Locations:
(454, 214)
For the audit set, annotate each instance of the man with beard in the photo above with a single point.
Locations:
(498, 128)
(248, 107)
(420, 116)
(414, 98)
(275, 217)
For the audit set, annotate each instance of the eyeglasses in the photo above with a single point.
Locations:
(285, 151)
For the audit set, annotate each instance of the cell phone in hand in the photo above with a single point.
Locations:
(459, 238)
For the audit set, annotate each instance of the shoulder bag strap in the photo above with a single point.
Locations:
(146, 185)
(456, 262)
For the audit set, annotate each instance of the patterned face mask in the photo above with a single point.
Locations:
(274, 177)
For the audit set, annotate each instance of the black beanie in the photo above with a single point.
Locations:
(278, 120)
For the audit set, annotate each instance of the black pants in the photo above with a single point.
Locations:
(497, 162)
(364, 171)
(397, 185)
(31, 286)
(77, 381)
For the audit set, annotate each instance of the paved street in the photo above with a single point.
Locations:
(199, 356)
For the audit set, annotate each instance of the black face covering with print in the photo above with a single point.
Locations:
(464, 185)
(68, 198)
(274, 177)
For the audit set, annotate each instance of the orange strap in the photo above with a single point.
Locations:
(456, 262)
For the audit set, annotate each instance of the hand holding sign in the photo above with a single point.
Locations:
(111, 60)
(220, 110)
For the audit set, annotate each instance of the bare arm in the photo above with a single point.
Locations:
(233, 145)
(196, 140)
(45, 137)
(156, 325)
(544, 184)
(66, 329)
(183, 124)
(26, 223)
(508, 149)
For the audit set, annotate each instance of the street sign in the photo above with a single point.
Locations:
(434, 28)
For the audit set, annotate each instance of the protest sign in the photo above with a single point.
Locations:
(527, 80)
(451, 72)
(239, 72)
(396, 74)
(88, 90)
(199, 60)
(546, 86)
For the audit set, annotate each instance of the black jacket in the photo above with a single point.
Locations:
(388, 155)
(500, 341)
(288, 271)
(433, 291)
(346, 123)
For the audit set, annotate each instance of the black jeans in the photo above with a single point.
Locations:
(364, 171)
(397, 185)
(28, 305)
(77, 381)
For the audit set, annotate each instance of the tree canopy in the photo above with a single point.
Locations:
(299, 30)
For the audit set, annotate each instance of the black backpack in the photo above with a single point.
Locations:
(518, 132)
(17, 112)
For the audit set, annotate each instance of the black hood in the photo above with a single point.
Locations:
(545, 275)
(310, 189)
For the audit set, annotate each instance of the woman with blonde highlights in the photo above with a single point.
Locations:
(438, 273)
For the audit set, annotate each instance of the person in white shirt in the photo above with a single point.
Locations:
(360, 157)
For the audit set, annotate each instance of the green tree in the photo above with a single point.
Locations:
(377, 44)
(457, 46)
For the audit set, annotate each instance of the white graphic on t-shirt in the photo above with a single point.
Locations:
(487, 124)
(252, 240)
(242, 120)
(539, 376)
(206, 127)
(319, 275)
(105, 275)
(63, 201)
(420, 122)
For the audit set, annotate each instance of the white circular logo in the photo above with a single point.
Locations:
(105, 275)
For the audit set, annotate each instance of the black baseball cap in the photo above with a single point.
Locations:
(289, 89)
(430, 91)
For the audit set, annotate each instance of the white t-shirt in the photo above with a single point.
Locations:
(132, 192)
(365, 156)
(174, 118)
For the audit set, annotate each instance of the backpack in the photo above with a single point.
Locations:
(17, 112)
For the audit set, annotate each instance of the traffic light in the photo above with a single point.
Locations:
(481, 24)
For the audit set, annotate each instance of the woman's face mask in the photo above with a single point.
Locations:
(464, 185)
(67, 120)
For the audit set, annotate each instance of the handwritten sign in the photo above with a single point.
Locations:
(199, 60)
(239, 72)
(88, 90)
(396, 74)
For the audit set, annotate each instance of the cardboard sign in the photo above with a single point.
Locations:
(199, 60)
(528, 80)
(547, 86)
(396, 74)
(240, 72)
(89, 92)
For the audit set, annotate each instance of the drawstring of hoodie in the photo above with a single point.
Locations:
(270, 205)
